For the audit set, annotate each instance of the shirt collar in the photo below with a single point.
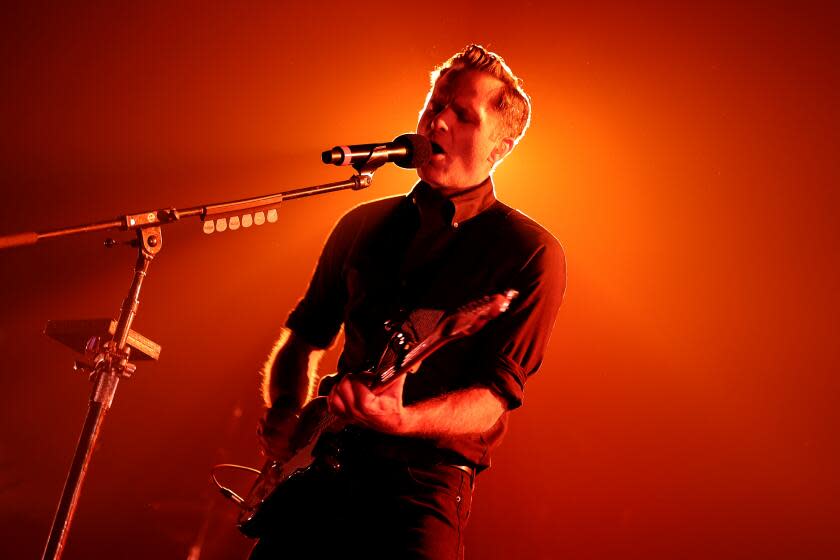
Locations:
(456, 207)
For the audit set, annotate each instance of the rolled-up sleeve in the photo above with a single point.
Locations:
(515, 342)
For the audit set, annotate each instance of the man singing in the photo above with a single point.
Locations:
(401, 485)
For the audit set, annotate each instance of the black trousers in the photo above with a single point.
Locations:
(371, 509)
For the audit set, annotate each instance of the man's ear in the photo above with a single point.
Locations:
(502, 149)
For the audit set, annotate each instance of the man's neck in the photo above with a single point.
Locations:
(463, 202)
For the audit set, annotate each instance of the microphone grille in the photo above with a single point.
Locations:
(419, 150)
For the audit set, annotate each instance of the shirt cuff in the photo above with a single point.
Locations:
(507, 381)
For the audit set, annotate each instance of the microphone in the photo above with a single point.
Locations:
(407, 151)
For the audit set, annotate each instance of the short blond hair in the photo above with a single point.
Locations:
(513, 103)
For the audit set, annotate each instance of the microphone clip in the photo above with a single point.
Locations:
(366, 168)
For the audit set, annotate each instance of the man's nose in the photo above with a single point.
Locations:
(439, 121)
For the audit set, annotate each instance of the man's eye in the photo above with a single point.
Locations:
(465, 117)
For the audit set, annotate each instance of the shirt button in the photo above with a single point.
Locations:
(455, 225)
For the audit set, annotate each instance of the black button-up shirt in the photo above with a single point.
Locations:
(402, 257)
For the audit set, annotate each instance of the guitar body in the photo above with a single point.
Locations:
(259, 505)
(265, 499)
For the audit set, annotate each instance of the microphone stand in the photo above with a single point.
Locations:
(108, 362)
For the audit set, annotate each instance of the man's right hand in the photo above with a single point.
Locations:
(275, 430)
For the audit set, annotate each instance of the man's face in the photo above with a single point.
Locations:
(463, 126)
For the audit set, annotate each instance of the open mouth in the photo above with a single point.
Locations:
(436, 148)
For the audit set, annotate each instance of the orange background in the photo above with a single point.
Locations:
(685, 157)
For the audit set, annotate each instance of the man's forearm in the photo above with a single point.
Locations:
(468, 411)
(290, 372)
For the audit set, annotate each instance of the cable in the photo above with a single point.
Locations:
(227, 492)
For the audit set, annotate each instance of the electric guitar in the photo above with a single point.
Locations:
(315, 420)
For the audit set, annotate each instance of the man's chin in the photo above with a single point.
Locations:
(434, 175)
(442, 181)
(427, 174)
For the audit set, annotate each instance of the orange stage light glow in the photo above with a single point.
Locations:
(684, 156)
